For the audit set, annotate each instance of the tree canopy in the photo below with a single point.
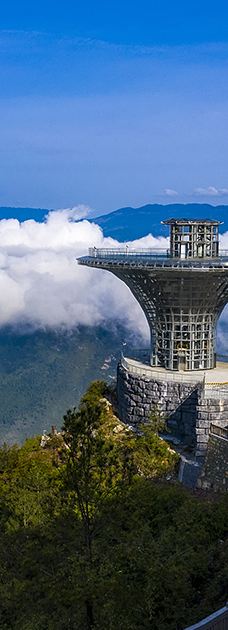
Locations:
(96, 533)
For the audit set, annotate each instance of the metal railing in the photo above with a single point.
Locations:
(120, 252)
(142, 355)
(217, 621)
(155, 253)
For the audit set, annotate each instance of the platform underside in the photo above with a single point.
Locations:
(182, 305)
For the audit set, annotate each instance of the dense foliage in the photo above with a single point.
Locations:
(93, 536)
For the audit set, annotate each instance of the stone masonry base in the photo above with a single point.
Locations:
(189, 410)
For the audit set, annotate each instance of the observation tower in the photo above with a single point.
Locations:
(182, 291)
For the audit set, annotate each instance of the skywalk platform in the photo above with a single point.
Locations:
(182, 291)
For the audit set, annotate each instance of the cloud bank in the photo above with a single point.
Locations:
(42, 286)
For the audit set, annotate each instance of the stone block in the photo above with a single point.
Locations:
(202, 423)
(147, 407)
(202, 438)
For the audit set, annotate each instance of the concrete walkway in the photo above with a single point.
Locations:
(217, 377)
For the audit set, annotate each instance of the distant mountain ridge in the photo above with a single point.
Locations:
(127, 224)
(23, 214)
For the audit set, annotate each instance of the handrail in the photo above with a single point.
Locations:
(126, 251)
(158, 252)
(215, 621)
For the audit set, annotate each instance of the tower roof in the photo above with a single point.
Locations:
(184, 221)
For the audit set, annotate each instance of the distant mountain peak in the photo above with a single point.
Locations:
(23, 214)
(127, 224)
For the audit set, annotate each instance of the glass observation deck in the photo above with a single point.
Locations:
(182, 291)
(148, 257)
(192, 243)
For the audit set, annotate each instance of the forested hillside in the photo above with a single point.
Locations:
(96, 536)
(43, 373)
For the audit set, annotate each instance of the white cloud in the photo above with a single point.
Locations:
(42, 285)
(81, 211)
(170, 192)
(211, 191)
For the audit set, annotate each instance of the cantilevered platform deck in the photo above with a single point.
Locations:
(127, 257)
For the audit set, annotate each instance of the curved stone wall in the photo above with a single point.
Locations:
(138, 395)
(188, 404)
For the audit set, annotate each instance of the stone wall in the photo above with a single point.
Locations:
(209, 411)
(189, 407)
(214, 475)
(191, 410)
(139, 395)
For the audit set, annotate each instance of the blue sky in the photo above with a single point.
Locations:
(112, 104)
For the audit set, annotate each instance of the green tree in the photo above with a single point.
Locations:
(94, 536)
(94, 469)
(29, 485)
(157, 420)
(103, 457)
